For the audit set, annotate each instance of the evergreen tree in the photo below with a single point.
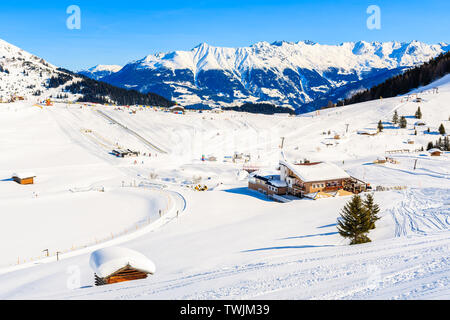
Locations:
(403, 122)
(441, 129)
(380, 126)
(405, 82)
(395, 117)
(355, 221)
(430, 145)
(418, 113)
(373, 209)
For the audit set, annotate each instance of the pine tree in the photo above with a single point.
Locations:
(380, 126)
(355, 221)
(441, 129)
(372, 208)
(395, 117)
(418, 113)
(430, 145)
(403, 122)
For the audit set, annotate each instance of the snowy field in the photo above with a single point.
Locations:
(227, 242)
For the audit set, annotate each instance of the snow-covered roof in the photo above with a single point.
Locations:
(176, 107)
(267, 173)
(107, 261)
(367, 131)
(24, 175)
(316, 172)
(434, 150)
(278, 183)
(419, 123)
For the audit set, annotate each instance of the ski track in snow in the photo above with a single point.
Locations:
(423, 211)
(320, 275)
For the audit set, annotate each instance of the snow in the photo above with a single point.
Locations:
(228, 242)
(107, 261)
(100, 67)
(278, 183)
(27, 75)
(344, 57)
(316, 171)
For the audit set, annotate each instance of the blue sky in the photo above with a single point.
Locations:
(116, 32)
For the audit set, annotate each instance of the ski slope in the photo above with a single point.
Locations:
(229, 242)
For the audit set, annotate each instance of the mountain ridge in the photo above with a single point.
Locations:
(303, 74)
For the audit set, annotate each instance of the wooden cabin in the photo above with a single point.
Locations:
(118, 264)
(127, 273)
(24, 178)
(367, 132)
(435, 152)
(177, 109)
(125, 153)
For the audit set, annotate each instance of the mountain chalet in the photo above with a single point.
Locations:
(306, 179)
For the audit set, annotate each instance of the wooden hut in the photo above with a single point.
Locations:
(117, 264)
(435, 152)
(24, 178)
(125, 153)
(177, 109)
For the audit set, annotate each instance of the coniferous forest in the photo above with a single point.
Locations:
(264, 108)
(101, 92)
(414, 78)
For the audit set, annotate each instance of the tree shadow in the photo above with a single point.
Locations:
(327, 226)
(311, 235)
(289, 247)
(6, 180)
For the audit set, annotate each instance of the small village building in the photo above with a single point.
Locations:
(125, 153)
(306, 178)
(177, 109)
(268, 184)
(24, 178)
(420, 123)
(367, 132)
(435, 152)
(118, 264)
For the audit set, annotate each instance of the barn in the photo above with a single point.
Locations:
(118, 264)
(24, 178)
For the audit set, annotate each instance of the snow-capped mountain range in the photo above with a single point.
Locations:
(304, 74)
(100, 71)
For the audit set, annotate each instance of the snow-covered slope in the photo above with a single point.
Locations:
(228, 242)
(283, 73)
(26, 75)
(100, 71)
